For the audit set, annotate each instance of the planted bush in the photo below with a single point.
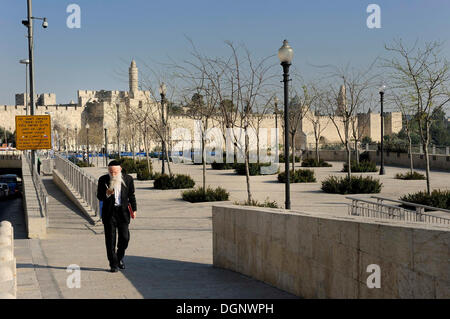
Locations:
(267, 203)
(362, 167)
(210, 195)
(312, 162)
(253, 168)
(178, 181)
(220, 166)
(352, 185)
(298, 176)
(410, 176)
(438, 198)
(281, 158)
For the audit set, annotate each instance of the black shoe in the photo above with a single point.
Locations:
(121, 265)
(114, 269)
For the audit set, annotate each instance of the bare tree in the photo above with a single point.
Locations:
(316, 116)
(344, 104)
(424, 74)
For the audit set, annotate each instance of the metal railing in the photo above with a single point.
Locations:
(367, 208)
(39, 185)
(81, 182)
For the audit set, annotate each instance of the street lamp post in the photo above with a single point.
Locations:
(106, 146)
(29, 24)
(382, 89)
(26, 62)
(76, 141)
(285, 54)
(87, 142)
(162, 92)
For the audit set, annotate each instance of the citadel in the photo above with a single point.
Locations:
(98, 109)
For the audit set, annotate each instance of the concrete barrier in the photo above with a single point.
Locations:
(8, 271)
(321, 256)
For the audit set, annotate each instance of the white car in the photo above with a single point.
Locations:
(4, 190)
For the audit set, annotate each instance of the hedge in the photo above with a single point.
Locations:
(210, 195)
(177, 181)
(298, 176)
(354, 185)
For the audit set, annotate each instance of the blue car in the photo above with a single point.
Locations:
(11, 180)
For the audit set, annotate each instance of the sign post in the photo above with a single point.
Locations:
(33, 132)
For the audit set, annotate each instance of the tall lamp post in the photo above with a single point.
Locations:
(87, 142)
(162, 92)
(29, 24)
(275, 112)
(26, 62)
(285, 54)
(382, 89)
(106, 145)
(76, 141)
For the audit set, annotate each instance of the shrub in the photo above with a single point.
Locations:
(253, 168)
(220, 166)
(364, 156)
(354, 185)
(438, 198)
(84, 164)
(143, 175)
(410, 176)
(312, 162)
(281, 158)
(298, 176)
(267, 203)
(178, 181)
(210, 195)
(362, 167)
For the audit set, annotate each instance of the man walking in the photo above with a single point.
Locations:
(116, 191)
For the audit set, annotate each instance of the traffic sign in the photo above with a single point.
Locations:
(33, 132)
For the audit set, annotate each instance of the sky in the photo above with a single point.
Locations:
(97, 55)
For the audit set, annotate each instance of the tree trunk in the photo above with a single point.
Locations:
(204, 162)
(427, 165)
(349, 157)
(356, 152)
(410, 154)
(317, 150)
(247, 171)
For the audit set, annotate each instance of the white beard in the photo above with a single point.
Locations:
(115, 181)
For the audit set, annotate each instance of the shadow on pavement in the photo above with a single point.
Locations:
(164, 278)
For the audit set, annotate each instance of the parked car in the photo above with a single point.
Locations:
(11, 180)
(4, 191)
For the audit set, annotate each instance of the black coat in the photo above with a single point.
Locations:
(126, 196)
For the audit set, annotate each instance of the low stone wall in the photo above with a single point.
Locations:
(327, 257)
(439, 162)
(8, 269)
(36, 223)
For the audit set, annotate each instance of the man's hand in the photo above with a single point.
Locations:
(109, 191)
(133, 215)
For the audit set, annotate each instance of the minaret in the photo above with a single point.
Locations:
(133, 78)
(342, 101)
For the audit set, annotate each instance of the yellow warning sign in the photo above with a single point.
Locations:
(33, 132)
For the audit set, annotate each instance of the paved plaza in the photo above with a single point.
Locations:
(170, 251)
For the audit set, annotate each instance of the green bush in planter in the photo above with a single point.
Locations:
(253, 168)
(210, 195)
(438, 198)
(178, 181)
(312, 162)
(221, 166)
(362, 167)
(298, 176)
(410, 176)
(254, 202)
(281, 158)
(352, 185)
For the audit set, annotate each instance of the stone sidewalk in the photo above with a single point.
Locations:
(169, 255)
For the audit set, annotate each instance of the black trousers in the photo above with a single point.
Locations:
(116, 226)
